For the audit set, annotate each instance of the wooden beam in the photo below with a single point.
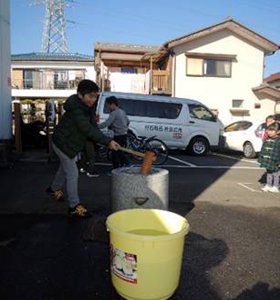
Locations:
(210, 55)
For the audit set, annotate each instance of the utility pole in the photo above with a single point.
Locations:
(5, 73)
(5, 84)
(54, 35)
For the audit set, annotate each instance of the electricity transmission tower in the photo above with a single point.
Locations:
(54, 35)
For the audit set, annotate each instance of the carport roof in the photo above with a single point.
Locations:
(124, 48)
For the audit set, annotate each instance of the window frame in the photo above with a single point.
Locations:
(235, 101)
(239, 126)
(208, 56)
(169, 110)
(217, 60)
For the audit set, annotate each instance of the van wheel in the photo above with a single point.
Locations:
(248, 150)
(198, 146)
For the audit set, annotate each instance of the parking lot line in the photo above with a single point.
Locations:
(182, 161)
(246, 187)
(190, 166)
(235, 158)
(210, 167)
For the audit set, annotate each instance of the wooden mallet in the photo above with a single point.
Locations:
(148, 156)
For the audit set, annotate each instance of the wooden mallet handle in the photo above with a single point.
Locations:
(133, 152)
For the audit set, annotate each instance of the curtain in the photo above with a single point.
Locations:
(194, 66)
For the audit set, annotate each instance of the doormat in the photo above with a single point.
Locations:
(96, 230)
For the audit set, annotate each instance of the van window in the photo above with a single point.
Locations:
(152, 109)
(201, 112)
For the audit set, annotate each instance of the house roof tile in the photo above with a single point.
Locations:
(230, 24)
(51, 56)
(272, 77)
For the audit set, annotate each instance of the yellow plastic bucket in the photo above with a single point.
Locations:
(146, 252)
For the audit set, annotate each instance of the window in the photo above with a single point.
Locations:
(194, 66)
(215, 112)
(237, 103)
(152, 109)
(238, 126)
(28, 79)
(60, 79)
(200, 112)
(130, 70)
(208, 67)
(213, 67)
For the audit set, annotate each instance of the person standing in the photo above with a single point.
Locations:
(118, 122)
(87, 162)
(269, 158)
(269, 120)
(69, 139)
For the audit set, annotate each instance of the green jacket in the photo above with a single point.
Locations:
(269, 157)
(76, 126)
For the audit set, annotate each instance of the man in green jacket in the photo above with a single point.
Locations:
(77, 125)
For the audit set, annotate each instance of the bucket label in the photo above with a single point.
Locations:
(124, 265)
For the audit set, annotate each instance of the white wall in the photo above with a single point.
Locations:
(5, 75)
(32, 93)
(215, 92)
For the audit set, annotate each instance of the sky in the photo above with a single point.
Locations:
(143, 22)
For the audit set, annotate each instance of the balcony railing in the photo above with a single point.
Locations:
(27, 84)
(161, 82)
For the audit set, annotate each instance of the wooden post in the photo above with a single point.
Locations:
(59, 111)
(50, 128)
(151, 75)
(18, 139)
(170, 70)
(102, 78)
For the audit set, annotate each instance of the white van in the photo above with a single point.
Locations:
(180, 123)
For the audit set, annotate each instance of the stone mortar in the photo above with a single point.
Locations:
(131, 189)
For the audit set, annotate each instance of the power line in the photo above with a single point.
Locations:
(115, 31)
(119, 14)
(171, 26)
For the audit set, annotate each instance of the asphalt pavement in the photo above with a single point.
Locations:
(231, 253)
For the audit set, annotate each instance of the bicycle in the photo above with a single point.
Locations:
(143, 144)
(140, 144)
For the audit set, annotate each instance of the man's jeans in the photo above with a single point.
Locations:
(118, 157)
(68, 171)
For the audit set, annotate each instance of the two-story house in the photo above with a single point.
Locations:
(49, 75)
(221, 65)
